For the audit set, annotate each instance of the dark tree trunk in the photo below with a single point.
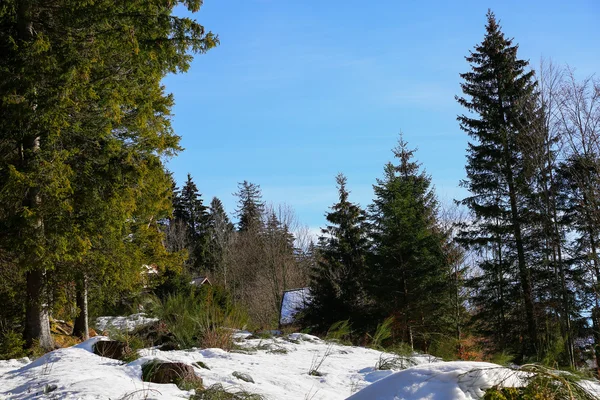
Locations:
(81, 326)
(37, 324)
(526, 286)
(596, 334)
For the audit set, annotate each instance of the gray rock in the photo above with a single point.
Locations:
(243, 376)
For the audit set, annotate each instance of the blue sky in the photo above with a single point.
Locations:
(301, 90)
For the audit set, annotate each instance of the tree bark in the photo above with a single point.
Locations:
(37, 322)
(81, 326)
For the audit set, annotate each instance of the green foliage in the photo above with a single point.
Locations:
(401, 349)
(545, 384)
(502, 358)
(337, 279)
(85, 125)
(11, 345)
(409, 268)
(502, 119)
(395, 362)
(205, 318)
(219, 392)
(250, 207)
(340, 331)
(191, 216)
(382, 333)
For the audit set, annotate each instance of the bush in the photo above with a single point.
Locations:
(11, 345)
(218, 392)
(382, 333)
(544, 384)
(340, 331)
(205, 318)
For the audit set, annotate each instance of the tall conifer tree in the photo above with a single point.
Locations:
(499, 94)
(75, 73)
(250, 207)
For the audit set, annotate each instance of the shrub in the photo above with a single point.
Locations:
(544, 384)
(205, 318)
(382, 333)
(11, 345)
(218, 392)
(340, 331)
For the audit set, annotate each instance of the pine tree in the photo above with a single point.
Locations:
(337, 278)
(500, 92)
(409, 269)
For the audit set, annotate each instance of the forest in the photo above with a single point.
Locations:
(92, 222)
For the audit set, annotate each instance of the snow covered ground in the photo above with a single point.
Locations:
(279, 367)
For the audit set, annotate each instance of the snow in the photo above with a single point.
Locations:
(127, 323)
(442, 381)
(292, 302)
(279, 367)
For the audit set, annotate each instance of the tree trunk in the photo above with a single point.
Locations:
(37, 322)
(596, 334)
(81, 326)
(526, 287)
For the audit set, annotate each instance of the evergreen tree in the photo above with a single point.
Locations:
(190, 211)
(337, 278)
(409, 269)
(72, 75)
(250, 207)
(500, 92)
(220, 232)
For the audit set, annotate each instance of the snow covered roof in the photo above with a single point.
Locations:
(293, 301)
(200, 280)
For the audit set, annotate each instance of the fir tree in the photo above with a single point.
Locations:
(220, 232)
(500, 92)
(250, 207)
(409, 269)
(337, 277)
(190, 211)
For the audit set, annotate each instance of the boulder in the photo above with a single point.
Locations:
(111, 349)
(243, 376)
(169, 372)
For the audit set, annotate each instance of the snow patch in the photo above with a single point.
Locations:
(128, 323)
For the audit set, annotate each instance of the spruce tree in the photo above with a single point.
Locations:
(220, 233)
(410, 271)
(250, 207)
(501, 100)
(337, 278)
(190, 211)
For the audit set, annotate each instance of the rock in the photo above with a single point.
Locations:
(111, 349)
(50, 388)
(156, 333)
(243, 376)
(169, 372)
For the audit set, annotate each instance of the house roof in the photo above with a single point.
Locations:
(200, 280)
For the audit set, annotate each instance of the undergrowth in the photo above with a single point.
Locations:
(543, 384)
(203, 319)
(219, 392)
